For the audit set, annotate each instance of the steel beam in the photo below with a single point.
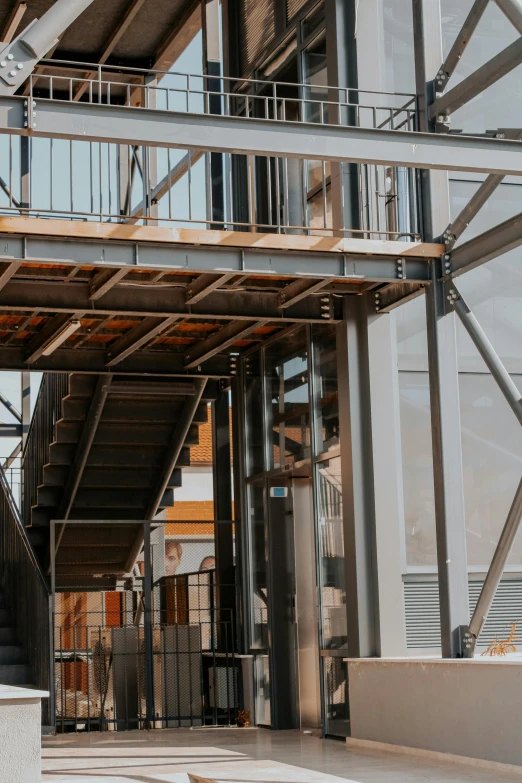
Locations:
(457, 50)
(487, 246)
(489, 73)
(136, 338)
(219, 341)
(486, 350)
(377, 261)
(176, 173)
(266, 138)
(13, 21)
(11, 458)
(174, 448)
(50, 331)
(7, 271)
(104, 281)
(299, 289)
(115, 37)
(10, 430)
(71, 298)
(496, 569)
(205, 284)
(154, 363)
(395, 294)
(513, 10)
(474, 205)
(10, 407)
(81, 455)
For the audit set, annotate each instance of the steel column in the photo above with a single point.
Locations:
(25, 378)
(447, 470)
(388, 480)
(222, 477)
(240, 515)
(442, 361)
(362, 606)
(147, 627)
(341, 63)
(212, 70)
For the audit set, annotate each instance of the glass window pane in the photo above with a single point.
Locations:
(258, 555)
(314, 69)
(337, 708)
(326, 403)
(419, 510)
(288, 400)
(254, 416)
(331, 552)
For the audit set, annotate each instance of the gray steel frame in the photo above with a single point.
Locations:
(248, 136)
(471, 632)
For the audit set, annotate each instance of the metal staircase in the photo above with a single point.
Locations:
(97, 450)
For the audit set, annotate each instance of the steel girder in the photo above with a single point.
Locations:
(487, 246)
(154, 127)
(216, 259)
(63, 297)
(153, 363)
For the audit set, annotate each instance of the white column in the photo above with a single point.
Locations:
(388, 482)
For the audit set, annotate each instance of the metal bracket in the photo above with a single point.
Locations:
(401, 268)
(467, 642)
(326, 307)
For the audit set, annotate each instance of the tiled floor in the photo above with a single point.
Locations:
(239, 756)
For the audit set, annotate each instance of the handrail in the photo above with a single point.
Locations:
(27, 597)
(265, 82)
(21, 529)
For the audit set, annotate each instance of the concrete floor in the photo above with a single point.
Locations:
(240, 756)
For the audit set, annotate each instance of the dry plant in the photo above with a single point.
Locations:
(503, 646)
(243, 718)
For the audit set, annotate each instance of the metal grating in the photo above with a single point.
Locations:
(256, 31)
(423, 619)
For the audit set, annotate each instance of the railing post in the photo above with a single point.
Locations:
(147, 627)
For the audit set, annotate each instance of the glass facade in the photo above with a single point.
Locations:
(291, 386)
(331, 553)
(291, 406)
(288, 405)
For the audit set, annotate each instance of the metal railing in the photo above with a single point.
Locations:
(135, 184)
(26, 597)
(102, 656)
(228, 96)
(48, 410)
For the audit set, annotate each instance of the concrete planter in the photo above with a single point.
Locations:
(20, 734)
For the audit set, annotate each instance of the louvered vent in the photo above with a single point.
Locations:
(257, 31)
(422, 612)
(293, 7)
